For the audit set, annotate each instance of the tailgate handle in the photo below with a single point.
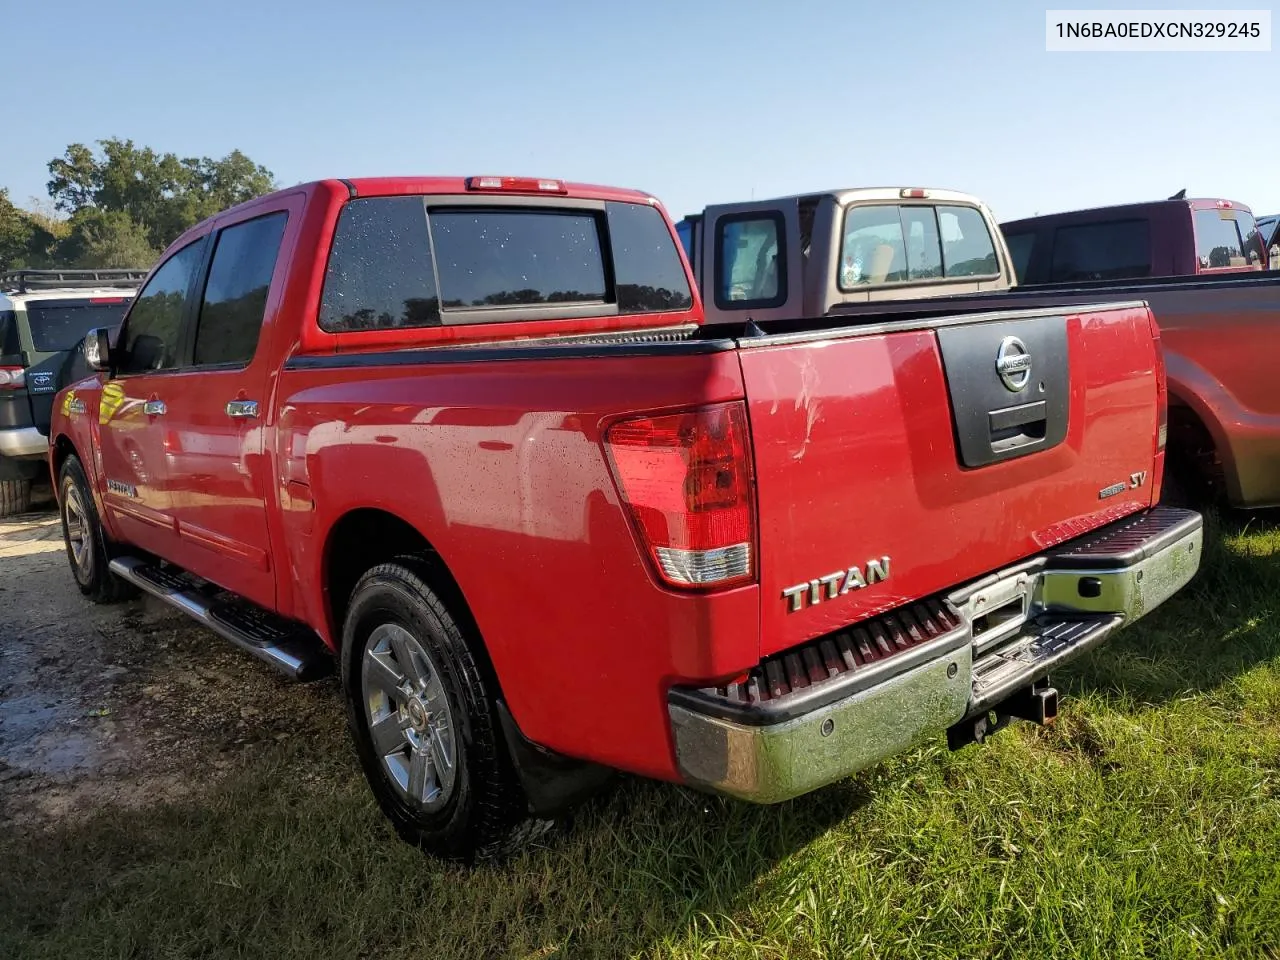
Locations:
(1019, 426)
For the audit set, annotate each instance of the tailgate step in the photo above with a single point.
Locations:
(1126, 542)
(1042, 644)
(288, 646)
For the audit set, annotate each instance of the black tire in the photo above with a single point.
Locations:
(15, 497)
(484, 813)
(1187, 485)
(79, 513)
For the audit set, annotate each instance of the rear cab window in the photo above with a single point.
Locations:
(1020, 246)
(413, 262)
(912, 243)
(1114, 250)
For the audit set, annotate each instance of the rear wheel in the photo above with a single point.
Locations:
(423, 713)
(88, 549)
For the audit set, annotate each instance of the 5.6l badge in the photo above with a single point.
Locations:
(836, 584)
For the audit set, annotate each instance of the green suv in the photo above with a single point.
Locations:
(44, 315)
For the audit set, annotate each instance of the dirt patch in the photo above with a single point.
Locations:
(127, 704)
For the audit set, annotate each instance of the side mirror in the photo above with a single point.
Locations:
(97, 350)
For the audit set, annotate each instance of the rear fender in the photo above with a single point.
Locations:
(1200, 391)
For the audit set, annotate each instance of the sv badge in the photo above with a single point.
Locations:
(836, 584)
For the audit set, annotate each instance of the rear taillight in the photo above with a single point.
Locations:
(687, 480)
(12, 378)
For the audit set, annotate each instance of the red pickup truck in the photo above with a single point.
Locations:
(471, 440)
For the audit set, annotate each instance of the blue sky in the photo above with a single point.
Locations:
(697, 102)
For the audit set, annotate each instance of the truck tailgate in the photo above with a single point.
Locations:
(900, 460)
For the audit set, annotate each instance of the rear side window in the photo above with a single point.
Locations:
(380, 272)
(58, 325)
(9, 333)
(892, 243)
(1114, 250)
(517, 257)
(153, 329)
(1218, 240)
(235, 295)
(1020, 245)
(750, 262)
(647, 269)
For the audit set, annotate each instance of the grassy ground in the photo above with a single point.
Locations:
(1146, 823)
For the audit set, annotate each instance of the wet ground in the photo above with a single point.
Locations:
(124, 704)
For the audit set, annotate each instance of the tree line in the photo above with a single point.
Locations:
(120, 205)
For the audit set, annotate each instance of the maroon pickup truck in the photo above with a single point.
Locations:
(471, 440)
(1163, 238)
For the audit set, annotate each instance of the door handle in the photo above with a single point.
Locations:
(154, 408)
(242, 409)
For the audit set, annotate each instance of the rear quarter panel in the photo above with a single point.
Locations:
(499, 465)
(1220, 348)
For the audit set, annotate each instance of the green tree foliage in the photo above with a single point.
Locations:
(48, 230)
(105, 238)
(160, 193)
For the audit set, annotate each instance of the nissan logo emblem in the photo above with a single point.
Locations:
(1013, 364)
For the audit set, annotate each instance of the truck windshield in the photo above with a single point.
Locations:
(60, 324)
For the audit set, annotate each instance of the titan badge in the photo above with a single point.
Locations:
(123, 489)
(836, 584)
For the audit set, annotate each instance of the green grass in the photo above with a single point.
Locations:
(1145, 824)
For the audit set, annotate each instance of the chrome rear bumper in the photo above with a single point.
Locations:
(839, 704)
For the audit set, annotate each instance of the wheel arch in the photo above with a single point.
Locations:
(364, 537)
(1197, 443)
(63, 447)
